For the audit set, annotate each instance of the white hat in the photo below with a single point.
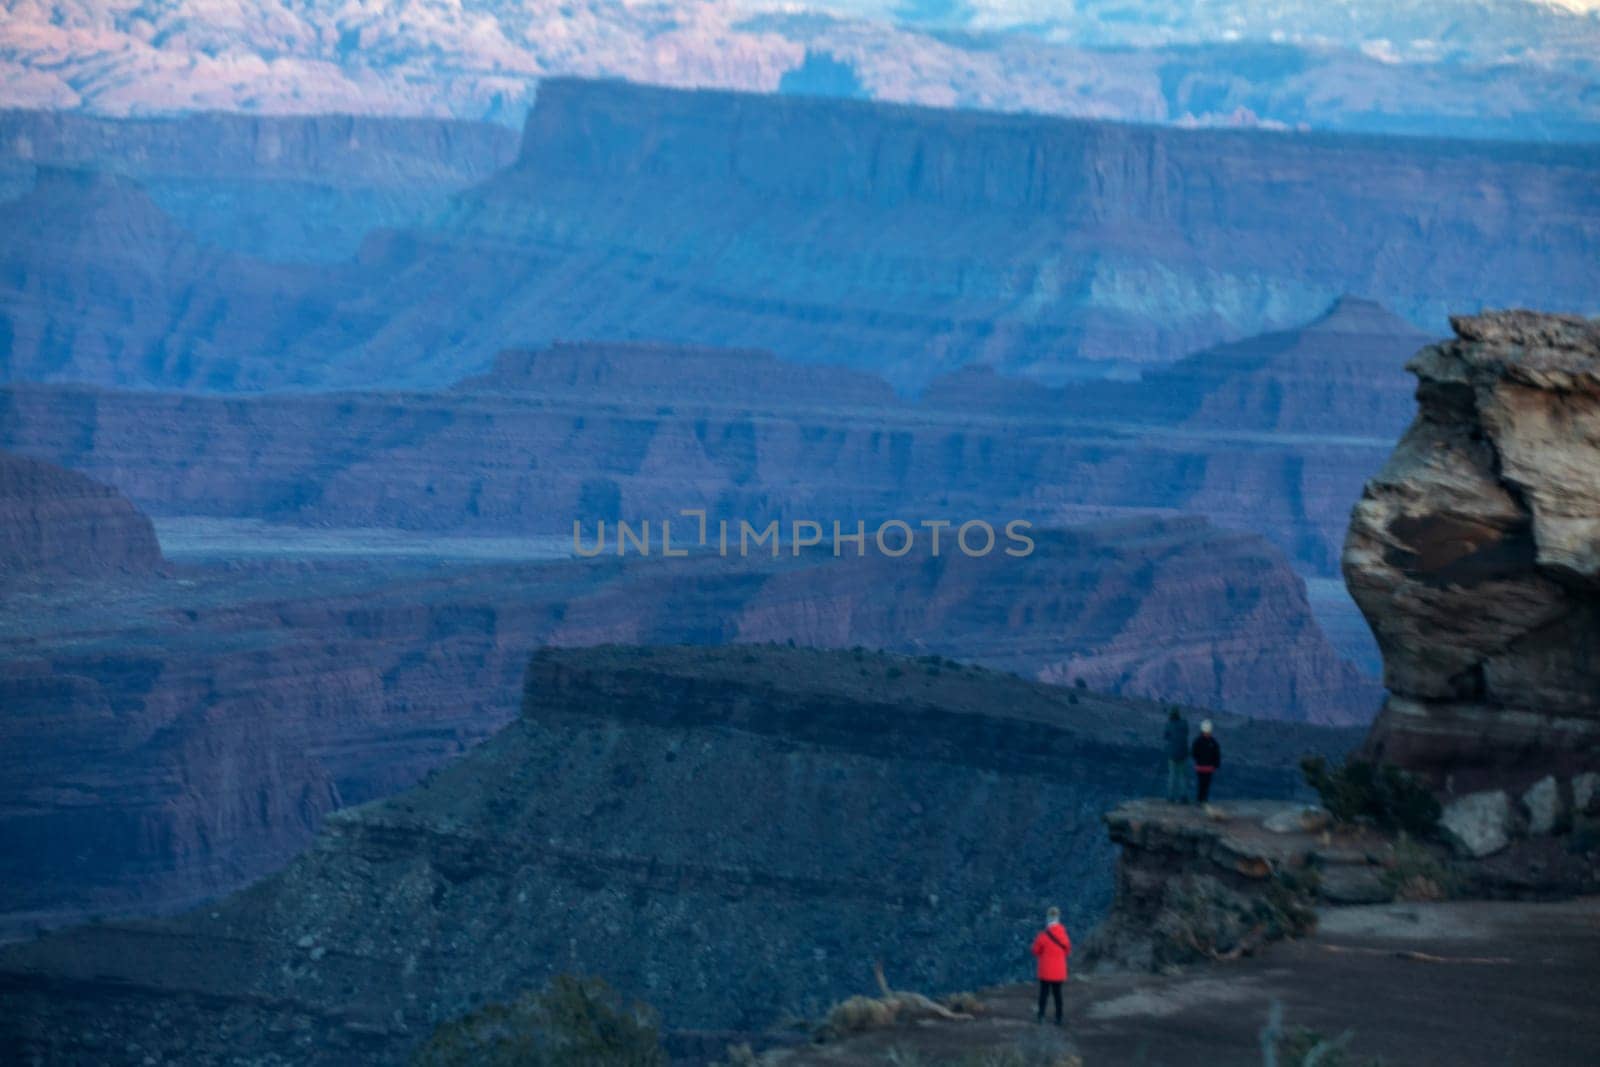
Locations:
(1205, 726)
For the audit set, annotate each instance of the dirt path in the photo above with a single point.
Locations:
(1470, 984)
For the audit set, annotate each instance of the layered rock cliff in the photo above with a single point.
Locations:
(908, 241)
(1475, 554)
(899, 811)
(837, 231)
(55, 523)
(606, 430)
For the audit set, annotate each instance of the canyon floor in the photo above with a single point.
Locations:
(1518, 978)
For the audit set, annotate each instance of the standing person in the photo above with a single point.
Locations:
(1207, 758)
(1177, 742)
(1051, 947)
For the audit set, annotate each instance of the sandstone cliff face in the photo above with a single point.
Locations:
(55, 523)
(886, 810)
(1475, 555)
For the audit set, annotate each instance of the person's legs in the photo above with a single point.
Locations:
(1203, 788)
(1174, 780)
(1055, 991)
(1044, 991)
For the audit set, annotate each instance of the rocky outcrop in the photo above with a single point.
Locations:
(904, 813)
(1475, 555)
(1197, 883)
(55, 523)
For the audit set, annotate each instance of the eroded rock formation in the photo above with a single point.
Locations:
(1475, 555)
(55, 523)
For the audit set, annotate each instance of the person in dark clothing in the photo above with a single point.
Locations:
(1177, 745)
(1207, 758)
(1051, 947)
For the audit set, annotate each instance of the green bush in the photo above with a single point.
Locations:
(575, 1022)
(1374, 792)
(1416, 874)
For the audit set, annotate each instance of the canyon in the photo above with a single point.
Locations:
(171, 738)
(916, 811)
(375, 383)
(604, 431)
(906, 241)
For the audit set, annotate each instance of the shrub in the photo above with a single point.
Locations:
(1417, 874)
(1374, 792)
(1297, 1046)
(857, 1014)
(1201, 918)
(893, 672)
(575, 1022)
(966, 1003)
(1300, 1047)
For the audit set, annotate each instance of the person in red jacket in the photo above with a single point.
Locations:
(1051, 948)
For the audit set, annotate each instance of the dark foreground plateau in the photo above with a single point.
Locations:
(832, 807)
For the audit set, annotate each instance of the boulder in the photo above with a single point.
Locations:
(1542, 802)
(1479, 824)
(1346, 884)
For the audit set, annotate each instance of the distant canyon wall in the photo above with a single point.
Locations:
(282, 187)
(916, 240)
(501, 462)
(903, 240)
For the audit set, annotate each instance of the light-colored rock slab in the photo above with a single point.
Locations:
(1479, 824)
(1542, 802)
